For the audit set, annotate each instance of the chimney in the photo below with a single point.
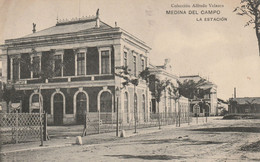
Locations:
(167, 65)
(97, 19)
(235, 93)
(34, 28)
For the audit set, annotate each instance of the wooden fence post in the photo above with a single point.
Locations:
(16, 126)
(45, 135)
(41, 128)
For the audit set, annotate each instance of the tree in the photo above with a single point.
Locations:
(191, 89)
(156, 86)
(123, 72)
(46, 72)
(174, 93)
(10, 95)
(250, 8)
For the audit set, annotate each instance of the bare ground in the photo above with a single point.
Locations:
(217, 140)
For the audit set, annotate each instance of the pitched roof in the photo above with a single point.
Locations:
(70, 27)
(196, 78)
(190, 76)
(245, 100)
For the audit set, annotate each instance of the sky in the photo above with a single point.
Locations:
(225, 52)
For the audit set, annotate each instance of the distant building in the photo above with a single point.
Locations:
(168, 103)
(244, 105)
(207, 103)
(2, 103)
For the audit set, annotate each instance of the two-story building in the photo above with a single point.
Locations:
(82, 54)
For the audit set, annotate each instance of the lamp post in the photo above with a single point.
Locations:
(117, 113)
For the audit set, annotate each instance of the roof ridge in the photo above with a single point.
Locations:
(76, 20)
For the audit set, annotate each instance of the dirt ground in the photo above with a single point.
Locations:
(217, 140)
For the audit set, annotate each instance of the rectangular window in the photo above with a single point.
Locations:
(36, 66)
(143, 67)
(125, 59)
(134, 65)
(15, 69)
(57, 65)
(81, 64)
(105, 62)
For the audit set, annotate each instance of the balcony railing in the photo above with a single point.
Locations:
(64, 79)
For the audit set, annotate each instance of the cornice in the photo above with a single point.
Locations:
(137, 40)
(67, 38)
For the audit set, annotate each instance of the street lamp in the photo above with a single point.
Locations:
(117, 113)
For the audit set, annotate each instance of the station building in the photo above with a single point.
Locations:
(83, 54)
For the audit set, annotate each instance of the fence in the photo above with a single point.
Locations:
(20, 127)
(107, 121)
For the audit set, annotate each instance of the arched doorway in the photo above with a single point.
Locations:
(35, 103)
(206, 110)
(196, 110)
(58, 109)
(106, 107)
(81, 107)
(126, 115)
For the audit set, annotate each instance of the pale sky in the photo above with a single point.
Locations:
(226, 52)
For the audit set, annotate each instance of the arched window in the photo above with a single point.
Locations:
(135, 107)
(126, 115)
(35, 103)
(143, 106)
(105, 102)
(35, 98)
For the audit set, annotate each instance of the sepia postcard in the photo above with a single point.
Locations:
(130, 80)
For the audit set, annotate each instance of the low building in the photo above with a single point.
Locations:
(244, 105)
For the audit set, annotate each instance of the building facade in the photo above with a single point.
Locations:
(169, 103)
(244, 105)
(208, 103)
(81, 56)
